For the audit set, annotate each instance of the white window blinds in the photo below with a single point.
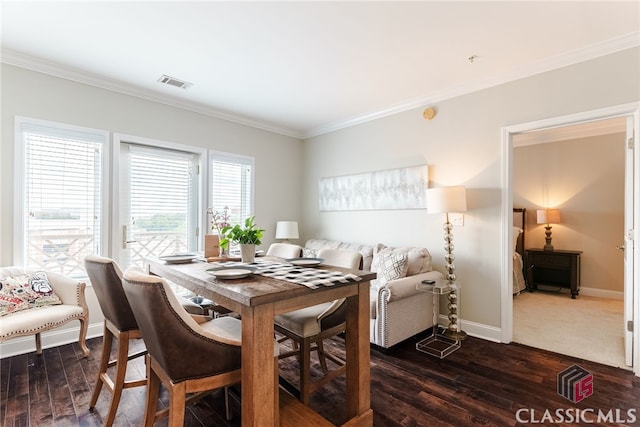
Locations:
(232, 185)
(163, 201)
(61, 195)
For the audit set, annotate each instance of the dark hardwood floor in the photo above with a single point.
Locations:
(482, 383)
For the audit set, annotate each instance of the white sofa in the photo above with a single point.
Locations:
(34, 321)
(398, 311)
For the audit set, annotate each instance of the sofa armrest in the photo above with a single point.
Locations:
(406, 287)
(70, 291)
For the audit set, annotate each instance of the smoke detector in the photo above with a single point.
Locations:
(172, 81)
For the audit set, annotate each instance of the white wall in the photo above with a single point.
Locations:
(462, 145)
(278, 168)
(584, 178)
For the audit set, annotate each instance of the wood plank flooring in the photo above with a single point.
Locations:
(482, 383)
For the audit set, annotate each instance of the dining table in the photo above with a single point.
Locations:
(257, 299)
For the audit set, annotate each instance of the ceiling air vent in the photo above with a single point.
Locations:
(172, 81)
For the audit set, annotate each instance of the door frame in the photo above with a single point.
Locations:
(624, 110)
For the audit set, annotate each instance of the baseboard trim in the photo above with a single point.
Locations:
(601, 293)
(477, 330)
(50, 339)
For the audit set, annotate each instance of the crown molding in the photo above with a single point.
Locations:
(18, 59)
(548, 64)
(558, 61)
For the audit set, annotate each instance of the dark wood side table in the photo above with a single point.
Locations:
(558, 268)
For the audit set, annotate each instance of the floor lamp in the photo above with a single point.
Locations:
(449, 200)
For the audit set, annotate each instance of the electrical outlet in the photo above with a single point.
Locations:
(456, 219)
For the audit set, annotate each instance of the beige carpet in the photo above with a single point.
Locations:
(586, 327)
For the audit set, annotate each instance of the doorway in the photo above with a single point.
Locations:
(594, 123)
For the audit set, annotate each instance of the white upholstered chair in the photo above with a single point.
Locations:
(34, 321)
(284, 250)
(307, 327)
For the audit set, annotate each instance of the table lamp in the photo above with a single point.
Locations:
(287, 230)
(548, 217)
(449, 200)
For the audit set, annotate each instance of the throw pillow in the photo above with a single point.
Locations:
(389, 266)
(309, 253)
(26, 291)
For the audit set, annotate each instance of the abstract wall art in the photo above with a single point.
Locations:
(404, 188)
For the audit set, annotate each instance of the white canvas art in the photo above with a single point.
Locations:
(404, 188)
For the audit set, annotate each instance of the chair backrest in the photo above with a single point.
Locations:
(106, 277)
(341, 258)
(284, 250)
(336, 312)
(183, 348)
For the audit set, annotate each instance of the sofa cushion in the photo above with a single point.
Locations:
(389, 266)
(26, 291)
(418, 259)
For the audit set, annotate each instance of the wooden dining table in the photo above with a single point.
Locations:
(257, 299)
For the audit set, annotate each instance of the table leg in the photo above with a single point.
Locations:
(358, 358)
(258, 369)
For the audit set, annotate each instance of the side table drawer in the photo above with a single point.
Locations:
(547, 261)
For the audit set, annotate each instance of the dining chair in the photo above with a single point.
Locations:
(187, 357)
(119, 324)
(309, 326)
(284, 250)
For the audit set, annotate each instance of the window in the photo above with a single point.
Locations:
(159, 201)
(232, 185)
(59, 173)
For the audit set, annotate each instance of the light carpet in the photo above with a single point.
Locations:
(587, 327)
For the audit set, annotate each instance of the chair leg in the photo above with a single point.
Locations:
(321, 356)
(121, 371)
(82, 338)
(38, 344)
(227, 406)
(153, 390)
(107, 341)
(177, 405)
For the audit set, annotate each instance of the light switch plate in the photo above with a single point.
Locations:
(456, 219)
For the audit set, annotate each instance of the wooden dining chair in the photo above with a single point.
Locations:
(183, 355)
(309, 326)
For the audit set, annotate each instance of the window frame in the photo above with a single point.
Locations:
(20, 180)
(215, 155)
(202, 163)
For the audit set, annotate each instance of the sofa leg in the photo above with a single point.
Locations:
(38, 344)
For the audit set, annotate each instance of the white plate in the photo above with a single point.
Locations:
(178, 258)
(305, 262)
(230, 272)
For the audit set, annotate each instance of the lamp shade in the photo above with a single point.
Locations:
(446, 199)
(548, 216)
(286, 230)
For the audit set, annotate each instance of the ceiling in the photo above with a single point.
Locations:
(309, 67)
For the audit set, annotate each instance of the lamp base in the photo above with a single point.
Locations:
(455, 335)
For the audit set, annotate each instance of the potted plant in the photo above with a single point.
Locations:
(247, 237)
(219, 220)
